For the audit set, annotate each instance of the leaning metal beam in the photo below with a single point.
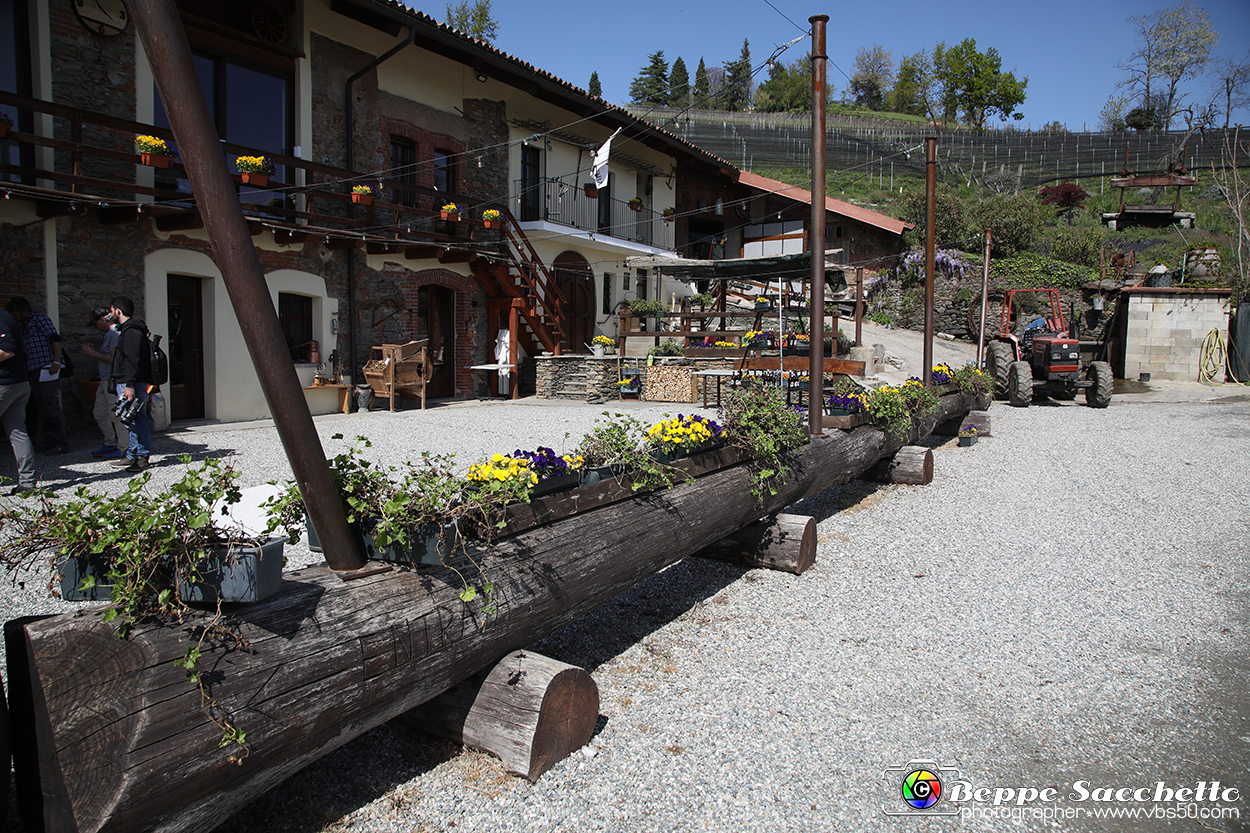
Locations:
(160, 29)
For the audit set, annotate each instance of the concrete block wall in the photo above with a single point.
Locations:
(1166, 328)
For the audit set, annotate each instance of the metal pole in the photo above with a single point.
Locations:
(816, 345)
(165, 42)
(985, 300)
(930, 152)
(859, 306)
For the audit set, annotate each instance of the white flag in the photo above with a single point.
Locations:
(601, 162)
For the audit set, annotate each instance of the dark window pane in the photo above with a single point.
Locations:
(295, 316)
(403, 169)
(444, 172)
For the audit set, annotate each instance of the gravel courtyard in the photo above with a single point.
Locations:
(1066, 602)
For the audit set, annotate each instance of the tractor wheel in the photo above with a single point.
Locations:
(1020, 384)
(1098, 395)
(997, 358)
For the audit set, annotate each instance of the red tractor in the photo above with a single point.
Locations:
(1044, 358)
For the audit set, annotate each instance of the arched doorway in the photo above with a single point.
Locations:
(576, 281)
(436, 320)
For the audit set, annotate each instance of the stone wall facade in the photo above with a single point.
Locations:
(1165, 330)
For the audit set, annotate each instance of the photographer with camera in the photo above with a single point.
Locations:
(131, 376)
(114, 431)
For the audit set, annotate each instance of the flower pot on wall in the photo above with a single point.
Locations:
(492, 223)
(156, 160)
(591, 191)
(450, 216)
(362, 199)
(4, 129)
(253, 178)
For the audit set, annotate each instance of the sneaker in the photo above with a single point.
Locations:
(137, 465)
(122, 461)
(108, 452)
(113, 453)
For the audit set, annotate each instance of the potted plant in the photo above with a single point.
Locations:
(601, 344)
(630, 382)
(968, 435)
(591, 190)
(667, 214)
(645, 307)
(255, 170)
(492, 218)
(757, 420)
(616, 446)
(155, 152)
(759, 338)
(635, 204)
(847, 398)
(451, 212)
(363, 194)
(681, 436)
(555, 472)
(6, 122)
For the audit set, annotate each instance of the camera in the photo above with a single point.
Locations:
(127, 410)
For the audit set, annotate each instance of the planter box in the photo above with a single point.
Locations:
(362, 199)
(242, 574)
(156, 160)
(74, 570)
(596, 474)
(258, 179)
(427, 545)
(450, 216)
(560, 483)
(965, 442)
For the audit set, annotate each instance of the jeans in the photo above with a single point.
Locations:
(13, 399)
(141, 430)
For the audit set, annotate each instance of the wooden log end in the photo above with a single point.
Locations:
(784, 542)
(912, 465)
(528, 710)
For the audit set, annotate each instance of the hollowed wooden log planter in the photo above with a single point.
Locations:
(108, 734)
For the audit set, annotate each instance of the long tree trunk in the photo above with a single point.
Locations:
(109, 733)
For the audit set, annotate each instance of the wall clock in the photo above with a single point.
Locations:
(105, 17)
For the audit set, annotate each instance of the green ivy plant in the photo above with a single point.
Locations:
(756, 419)
(619, 442)
(142, 542)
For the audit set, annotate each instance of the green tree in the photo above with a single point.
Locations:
(473, 19)
(1143, 118)
(1014, 220)
(650, 86)
(973, 81)
(1111, 118)
(949, 228)
(594, 87)
(788, 88)
(702, 88)
(736, 93)
(1173, 45)
(912, 85)
(874, 74)
(679, 84)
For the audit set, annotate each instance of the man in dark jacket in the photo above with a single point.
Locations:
(14, 394)
(131, 375)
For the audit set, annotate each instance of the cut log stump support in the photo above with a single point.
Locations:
(981, 419)
(528, 710)
(912, 466)
(783, 542)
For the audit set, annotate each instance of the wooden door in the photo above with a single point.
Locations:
(436, 320)
(574, 277)
(185, 346)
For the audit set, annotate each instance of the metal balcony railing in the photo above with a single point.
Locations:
(567, 204)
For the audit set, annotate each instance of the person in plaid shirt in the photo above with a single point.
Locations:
(43, 351)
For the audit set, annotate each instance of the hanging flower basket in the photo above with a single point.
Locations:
(255, 170)
(635, 204)
(363, 194)
(491, 218)
(154, 151)
(156, 160)
(258, 179)
(4, 129)
(590, 190)
(451, 212)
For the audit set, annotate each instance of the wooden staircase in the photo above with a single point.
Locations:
(518, 273)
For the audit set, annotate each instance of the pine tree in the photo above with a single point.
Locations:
(679, 85)
(650, 86)
(594, 88)
(702, 89)
(736, 94)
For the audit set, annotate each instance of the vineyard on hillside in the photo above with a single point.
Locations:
(887, 154)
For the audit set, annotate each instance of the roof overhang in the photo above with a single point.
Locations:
(795, 267)
(839, 207)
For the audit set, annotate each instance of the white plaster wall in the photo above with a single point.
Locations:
(232, 391)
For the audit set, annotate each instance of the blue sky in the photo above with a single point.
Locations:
(1068, 49)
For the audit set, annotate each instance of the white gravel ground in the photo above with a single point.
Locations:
(1066, 601)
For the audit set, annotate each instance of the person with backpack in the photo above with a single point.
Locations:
(132, 359)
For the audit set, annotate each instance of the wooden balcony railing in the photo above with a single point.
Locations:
(87, 159)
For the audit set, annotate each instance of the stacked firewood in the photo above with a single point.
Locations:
(669, 384)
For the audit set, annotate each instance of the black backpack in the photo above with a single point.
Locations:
(158, 366)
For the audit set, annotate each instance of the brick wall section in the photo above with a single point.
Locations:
(1166, 328)
(21, 272)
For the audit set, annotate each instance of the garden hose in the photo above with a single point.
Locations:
(1216, 360)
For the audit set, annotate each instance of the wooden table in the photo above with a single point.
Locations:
(344, 394)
